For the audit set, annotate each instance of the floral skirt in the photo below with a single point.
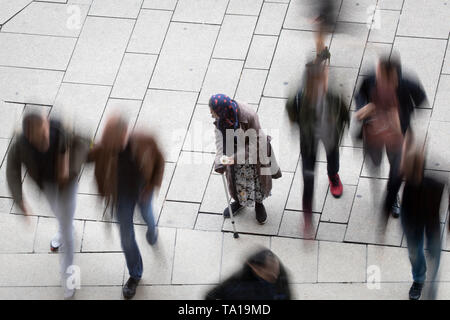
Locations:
(248, 186)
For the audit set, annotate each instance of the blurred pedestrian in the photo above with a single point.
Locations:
(325, 21)
(128, 167)
(420, 217)
(262, 277)
(252, 164)
(53, 158)
(321, 115)
(385, 102)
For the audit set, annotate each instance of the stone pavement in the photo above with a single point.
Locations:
(158, 61)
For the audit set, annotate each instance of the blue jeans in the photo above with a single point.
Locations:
(125, 210)
(415, 235)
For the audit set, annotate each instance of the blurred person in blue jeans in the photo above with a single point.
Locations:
(127, 169)
(52, 156)
(420, 217)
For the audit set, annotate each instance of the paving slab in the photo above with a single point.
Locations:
(12, 116)
(160, 4)
(115, 8)
(285, 141)
(437, 139)
(232, 45)
(33, 51)
(393, 263)
(261, 52)
(271, 18)
(422, 18)
(384, 27)
(440, 111)
(222, 77)
(413, 53)
(192, 167)
(365, 224)
(178, 215)
(209, 222)
(348, 44)
(149, 32)
(245, 7)
(331, 232)
(177, 70)
(299, 257)
(341, 262)
(293, 50)
(390, 4)
(99, 51)
(215, 200)
(293, 223)
(100, 269)
(101, 237)
(200, 136)
(29, 85)
(205, 267)
(157, 259)
(170, 130)
(18, 233)
(200, 11)
(48, 19)
(134, 76)
(338, 210)
(357, 10)
(11, 8)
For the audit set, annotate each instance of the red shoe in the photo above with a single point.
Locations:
(336, 187)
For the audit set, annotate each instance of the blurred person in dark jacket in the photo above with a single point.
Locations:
(53, 158)
(420, 216)
(128, 167)
(262, 277)
(321, 115)
(385, 102)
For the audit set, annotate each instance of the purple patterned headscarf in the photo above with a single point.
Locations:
(227, 110)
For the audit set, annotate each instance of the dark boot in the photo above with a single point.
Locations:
(415, 291)
(261, 214)
(235, 207)
(129, 290)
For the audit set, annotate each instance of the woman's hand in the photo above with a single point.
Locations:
(365, 111)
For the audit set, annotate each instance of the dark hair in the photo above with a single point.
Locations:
(259, 258)
(390, 65)
(29, 120)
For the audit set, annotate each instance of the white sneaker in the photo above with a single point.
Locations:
(56, 242)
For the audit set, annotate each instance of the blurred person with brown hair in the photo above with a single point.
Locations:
(53, 158)
(321, 115)
(128, 167)
(421, 203)
(262, 277)
(385, 102)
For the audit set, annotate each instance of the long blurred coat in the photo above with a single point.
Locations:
(147, 156)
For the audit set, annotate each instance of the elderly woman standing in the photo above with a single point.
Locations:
(249, 162)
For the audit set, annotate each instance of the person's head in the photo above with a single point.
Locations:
(265, 265)
(224, 109)
(316, 78)
(36, 129)
(115, 133)
(388, 71)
